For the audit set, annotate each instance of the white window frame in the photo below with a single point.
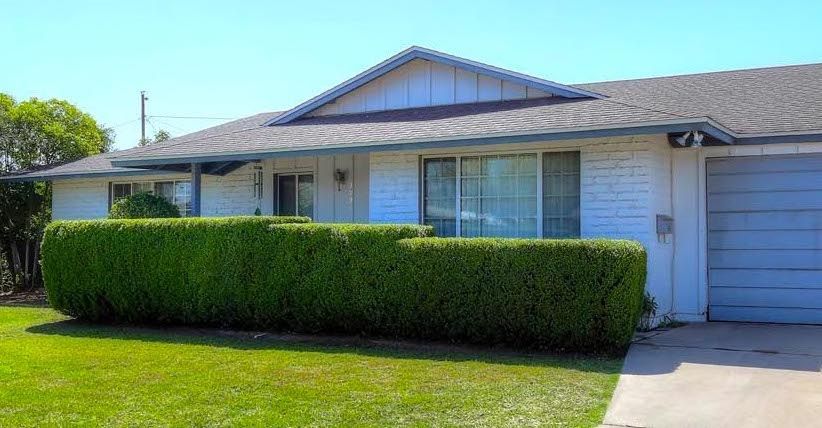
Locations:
(174, 182)
(276, 190)
(458, 158)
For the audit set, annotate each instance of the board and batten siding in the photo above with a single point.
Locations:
(423, 83)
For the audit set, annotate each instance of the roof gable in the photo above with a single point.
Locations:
(418, 53)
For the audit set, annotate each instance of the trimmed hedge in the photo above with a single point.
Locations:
(384, 280)
(143, 205)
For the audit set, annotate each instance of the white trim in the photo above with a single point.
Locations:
(541, 195)
(458, 194)
(763, 149)
(702, 238)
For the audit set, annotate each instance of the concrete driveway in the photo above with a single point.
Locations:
(722, 375)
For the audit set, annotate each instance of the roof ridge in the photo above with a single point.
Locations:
(702, 73)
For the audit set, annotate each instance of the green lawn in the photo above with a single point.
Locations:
(59, 372)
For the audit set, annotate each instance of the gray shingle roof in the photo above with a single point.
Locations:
(764, 100)
(767, 100)
(102, 163)
(426, 123)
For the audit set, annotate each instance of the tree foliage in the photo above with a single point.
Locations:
(159, 137)
(36, 134)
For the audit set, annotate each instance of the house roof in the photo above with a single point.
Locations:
(754, 101)
(755, 105)
(414, 128)
(101, 164)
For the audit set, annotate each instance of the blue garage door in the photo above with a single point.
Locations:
(765, 239)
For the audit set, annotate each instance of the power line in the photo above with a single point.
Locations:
(125, 123)
(152, 125)
(194, 117)
(171, 125)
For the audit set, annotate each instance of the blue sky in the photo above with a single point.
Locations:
(233, 59)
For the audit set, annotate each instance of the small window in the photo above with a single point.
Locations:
(165, 189)
(560, 195)
(294, 194)
(120, 190)
(182, 197)
(176, 192)
(439, 193)
(142, 187)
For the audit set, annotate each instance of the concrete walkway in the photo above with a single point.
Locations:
(722, 375)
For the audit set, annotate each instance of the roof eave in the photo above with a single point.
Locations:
(641, 128)
(33, 176)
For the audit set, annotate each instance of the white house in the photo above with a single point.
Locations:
(718, 175)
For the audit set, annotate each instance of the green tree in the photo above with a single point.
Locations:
(159, 136)
(35, 134)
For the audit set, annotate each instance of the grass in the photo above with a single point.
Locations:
(55, 371)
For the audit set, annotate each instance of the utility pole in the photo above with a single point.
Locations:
(143, 99)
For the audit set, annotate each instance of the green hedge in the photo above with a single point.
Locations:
(255, 273)
(143, 205)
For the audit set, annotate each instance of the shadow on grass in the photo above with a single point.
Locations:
(371, 347)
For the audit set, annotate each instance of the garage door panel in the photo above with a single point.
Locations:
(766, 239)
(766, 182)
(765, 259)
(769, 278)
(765, 164)
(767, 297)
(766, 220)
(765, 201)
(775, 315)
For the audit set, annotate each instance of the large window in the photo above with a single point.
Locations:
(507, 195)
(177, 192)
(294, 194)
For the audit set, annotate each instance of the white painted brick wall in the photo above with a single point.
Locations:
(394, 188)
(232, 194)
(616, 190)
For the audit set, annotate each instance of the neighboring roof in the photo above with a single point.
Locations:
(744, 106)
(415, 52)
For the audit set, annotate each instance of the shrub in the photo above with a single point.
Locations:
(557, 294)
(388, 280)
(143, 205)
